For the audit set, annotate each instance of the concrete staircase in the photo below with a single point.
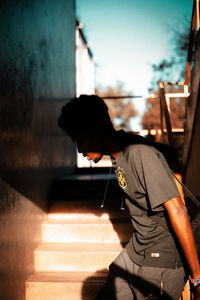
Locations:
(79, 241)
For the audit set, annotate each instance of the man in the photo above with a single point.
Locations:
(151, 265)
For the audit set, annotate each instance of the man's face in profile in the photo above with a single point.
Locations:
(89, 144)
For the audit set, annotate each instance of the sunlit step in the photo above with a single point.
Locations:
(78, 216)
(64, 285)
(86, 230)
(85, 209)
(75, 256)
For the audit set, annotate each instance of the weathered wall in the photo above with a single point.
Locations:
(37, 71)
(192, 129)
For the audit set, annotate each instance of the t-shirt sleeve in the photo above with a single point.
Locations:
(155, 177)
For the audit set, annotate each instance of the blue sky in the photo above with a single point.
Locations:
(127, 37)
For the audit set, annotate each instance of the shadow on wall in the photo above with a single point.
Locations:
(34, 151)
(37, 70)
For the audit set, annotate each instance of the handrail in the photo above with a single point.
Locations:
(197, 13)
(121, 97)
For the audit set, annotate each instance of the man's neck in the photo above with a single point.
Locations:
(114, 155)
(116, 145)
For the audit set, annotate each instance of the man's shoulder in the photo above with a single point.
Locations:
(135, 146)
(137, 149)
(133, 143)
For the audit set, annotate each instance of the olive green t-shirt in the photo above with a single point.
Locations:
(143, 174)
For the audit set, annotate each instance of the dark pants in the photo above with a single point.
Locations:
(127, 281)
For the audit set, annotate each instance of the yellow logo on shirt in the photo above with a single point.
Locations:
(121, 178)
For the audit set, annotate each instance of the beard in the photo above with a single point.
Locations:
(97, 159)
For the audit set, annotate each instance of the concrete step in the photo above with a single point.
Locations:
(89, 230)
(78, 240)
(114, 216)
(88, 208)
(85, 186)
(64, 285)
(75, 256)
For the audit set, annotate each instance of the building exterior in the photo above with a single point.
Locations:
(84, 75)
(84, 63)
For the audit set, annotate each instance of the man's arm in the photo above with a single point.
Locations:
(181, 225)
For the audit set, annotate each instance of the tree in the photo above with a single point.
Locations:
(121, 110)
(172, 69)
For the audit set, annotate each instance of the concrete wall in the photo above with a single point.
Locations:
(37, 73)
(192, 128)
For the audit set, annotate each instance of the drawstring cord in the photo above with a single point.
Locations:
(187, 191)
(122, 204)
(106, 189)
(104, 197)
